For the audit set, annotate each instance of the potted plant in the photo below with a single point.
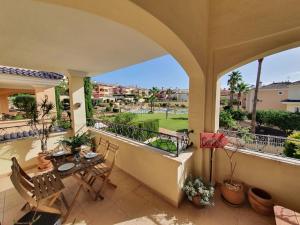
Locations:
(198, 192)
(76, 142)
(232, 191)
(39, 115)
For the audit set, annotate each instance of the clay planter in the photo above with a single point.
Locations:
(43, 163)
(261, 201)
(233, 194)
(196, 200)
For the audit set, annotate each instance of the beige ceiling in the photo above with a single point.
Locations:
(42, 36)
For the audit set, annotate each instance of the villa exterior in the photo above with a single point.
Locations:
(88, 38)
(277, 96)
(292, 102)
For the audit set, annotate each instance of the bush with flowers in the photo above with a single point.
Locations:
(198, 192)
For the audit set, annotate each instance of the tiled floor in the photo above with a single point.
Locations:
(133, 203)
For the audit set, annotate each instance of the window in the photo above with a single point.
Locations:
(297, 109)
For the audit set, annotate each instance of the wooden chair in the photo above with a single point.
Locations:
(40, 192)
(102, 147)
(102, 171)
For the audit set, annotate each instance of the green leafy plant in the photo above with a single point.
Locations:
(88, 87)
(124, 118)
(23, 102)
(226, 120)
(196, 187)
(75, 142)
(292, 146)
(39, 114)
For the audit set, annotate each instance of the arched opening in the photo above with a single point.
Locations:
(278, 95)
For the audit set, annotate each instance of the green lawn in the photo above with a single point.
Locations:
(174, 122)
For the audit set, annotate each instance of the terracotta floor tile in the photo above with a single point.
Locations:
(132, 203)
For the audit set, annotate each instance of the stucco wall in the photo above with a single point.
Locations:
(294, 92)
(268, 99)
(280, 179)
(25, 151)
(162, 173)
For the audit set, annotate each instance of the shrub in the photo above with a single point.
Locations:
(285, 121)
(18, 117)
(65, 124)
(291, 147)
(226, 120)
(182, 106)
(124, 118)
(224, 101)
(108, 108)
(23, 102)
(238, 115)
(116, 110)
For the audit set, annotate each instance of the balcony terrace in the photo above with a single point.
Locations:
(208, 38)
(133, 203)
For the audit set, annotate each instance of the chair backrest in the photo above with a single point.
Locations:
(111, 155)
(102, 147)
(22, 182)
(16, 166)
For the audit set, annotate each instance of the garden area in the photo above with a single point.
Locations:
(174, 122)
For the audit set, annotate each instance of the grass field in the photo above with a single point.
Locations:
(174, 122)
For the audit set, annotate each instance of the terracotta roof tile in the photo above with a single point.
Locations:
(31, 73)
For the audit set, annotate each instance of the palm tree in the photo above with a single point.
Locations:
(241, 88)
(253, 122)
(234, 78)
(153, 93)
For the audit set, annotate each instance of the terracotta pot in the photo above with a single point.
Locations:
(43, 163)
(196, 200)
(261, 201)
(233, 193)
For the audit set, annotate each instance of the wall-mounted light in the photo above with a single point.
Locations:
(77, 105)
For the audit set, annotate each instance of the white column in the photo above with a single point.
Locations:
(77, 100)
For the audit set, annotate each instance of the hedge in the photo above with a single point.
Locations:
(285, 121)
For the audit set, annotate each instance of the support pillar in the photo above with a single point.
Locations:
(77, 100)
(4, 104)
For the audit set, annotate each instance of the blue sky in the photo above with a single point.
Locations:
(166, 72)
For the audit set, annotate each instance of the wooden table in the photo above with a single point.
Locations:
(80, 172)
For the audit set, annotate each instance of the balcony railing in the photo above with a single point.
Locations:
(260, 143)
(169, 143)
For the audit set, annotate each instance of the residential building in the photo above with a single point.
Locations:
(269, 96)
(292, 103)
(277, 95)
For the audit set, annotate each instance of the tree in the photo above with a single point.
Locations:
(88, 87)
(253, 121)
(23, 102)
(153, 96)
(169, 93)
(241, 88)
(234, 78)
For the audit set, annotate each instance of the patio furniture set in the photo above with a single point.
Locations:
(43, 193)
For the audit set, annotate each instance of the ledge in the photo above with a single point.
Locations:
(282, 159)
(182, 158)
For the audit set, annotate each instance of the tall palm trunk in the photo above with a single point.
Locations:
(231, 98)
(239, 100)
(253, 122)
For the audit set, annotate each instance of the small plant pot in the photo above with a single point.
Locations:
(261, 201)
(43, 163)
(233, 194)
(196, 200)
